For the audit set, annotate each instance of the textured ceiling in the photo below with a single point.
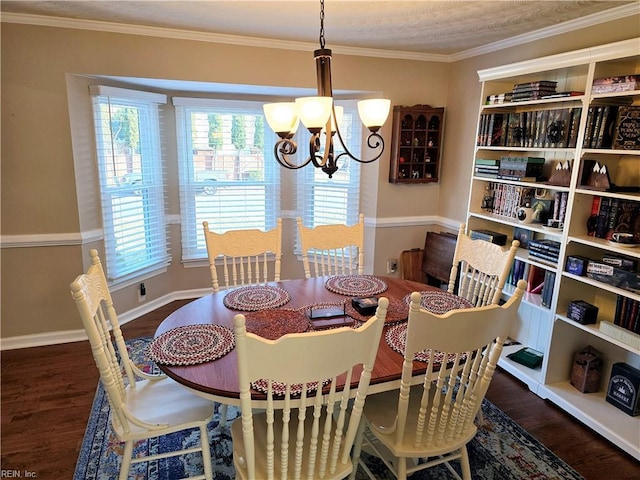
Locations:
(429, 27)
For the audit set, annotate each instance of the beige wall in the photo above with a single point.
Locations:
(39, 180)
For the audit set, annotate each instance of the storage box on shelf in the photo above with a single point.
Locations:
(589, 139)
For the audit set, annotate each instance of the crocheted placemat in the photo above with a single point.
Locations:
(355, 285)
(256, 297)
(397, 311)
(396, 338)
(274, 323)
(192, 344)
(279, 388)
(439, 302)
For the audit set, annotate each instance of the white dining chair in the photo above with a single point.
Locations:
(431, 423)
(309, 435)
(246, 256)
(335, 249)
(480, 268)
(142, 406)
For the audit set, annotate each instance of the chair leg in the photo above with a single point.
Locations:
(206, 453)
(402, 468)
(464, 464)
(126, 460)
(480, 418)
(357, 448)
(223, 414)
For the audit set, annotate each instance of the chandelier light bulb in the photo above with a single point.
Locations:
(374, 112)
(314, 112)
(282, 118)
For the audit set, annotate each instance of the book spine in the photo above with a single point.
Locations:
(562, 211)
(595, 209)
(543, 256)
(576, 113)
(618, 314)
(603, 216)
(612, 219)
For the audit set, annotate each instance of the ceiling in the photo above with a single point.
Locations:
(387, 28)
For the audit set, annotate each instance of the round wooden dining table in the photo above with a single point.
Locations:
(218, 379)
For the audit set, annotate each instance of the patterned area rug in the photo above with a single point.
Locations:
(500, 451)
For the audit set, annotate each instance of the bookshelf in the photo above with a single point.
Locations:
(416, 144)
(572, 132)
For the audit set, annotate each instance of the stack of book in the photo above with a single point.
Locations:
(627, 314)
(486, 168)
(521, 169)
(545, 249)
(622, 83)
(533, 90)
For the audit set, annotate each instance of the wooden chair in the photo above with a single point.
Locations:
(439, 249)
(311, 436)
(482, 268)
(434, 420)
(145, 407)
(244, 255)
(333, 249)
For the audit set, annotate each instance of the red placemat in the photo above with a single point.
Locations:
(192, 344)
(396, 338)
(440, 302)
(256, 297)
(274, 323)
(355, 285)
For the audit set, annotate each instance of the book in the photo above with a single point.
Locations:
(621, 83)
(627, 129)
(592, 221)
(616, 79)
(528, 357)
(535, 278)
(547, 290)
(603, 216)
(572, 138)
(487, 161)
(571, 93)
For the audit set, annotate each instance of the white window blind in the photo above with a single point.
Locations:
(131, 171)
(228, 176)
(323, 200)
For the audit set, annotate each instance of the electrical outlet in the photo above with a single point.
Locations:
(392, 265)
(142, 292)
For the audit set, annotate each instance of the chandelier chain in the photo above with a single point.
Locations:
(321, 23)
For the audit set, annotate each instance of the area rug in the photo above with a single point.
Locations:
(500, 451)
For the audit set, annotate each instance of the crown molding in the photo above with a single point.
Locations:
(565, 27)
(111, 27)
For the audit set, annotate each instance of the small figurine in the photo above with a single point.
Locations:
(487, 199)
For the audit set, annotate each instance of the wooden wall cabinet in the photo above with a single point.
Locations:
(416, 144)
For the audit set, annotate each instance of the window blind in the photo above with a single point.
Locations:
(322, 200)
(131, 173)
(227, 175)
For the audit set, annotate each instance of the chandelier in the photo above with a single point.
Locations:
(322, 119)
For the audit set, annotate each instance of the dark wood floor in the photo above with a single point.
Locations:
(47, 394)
